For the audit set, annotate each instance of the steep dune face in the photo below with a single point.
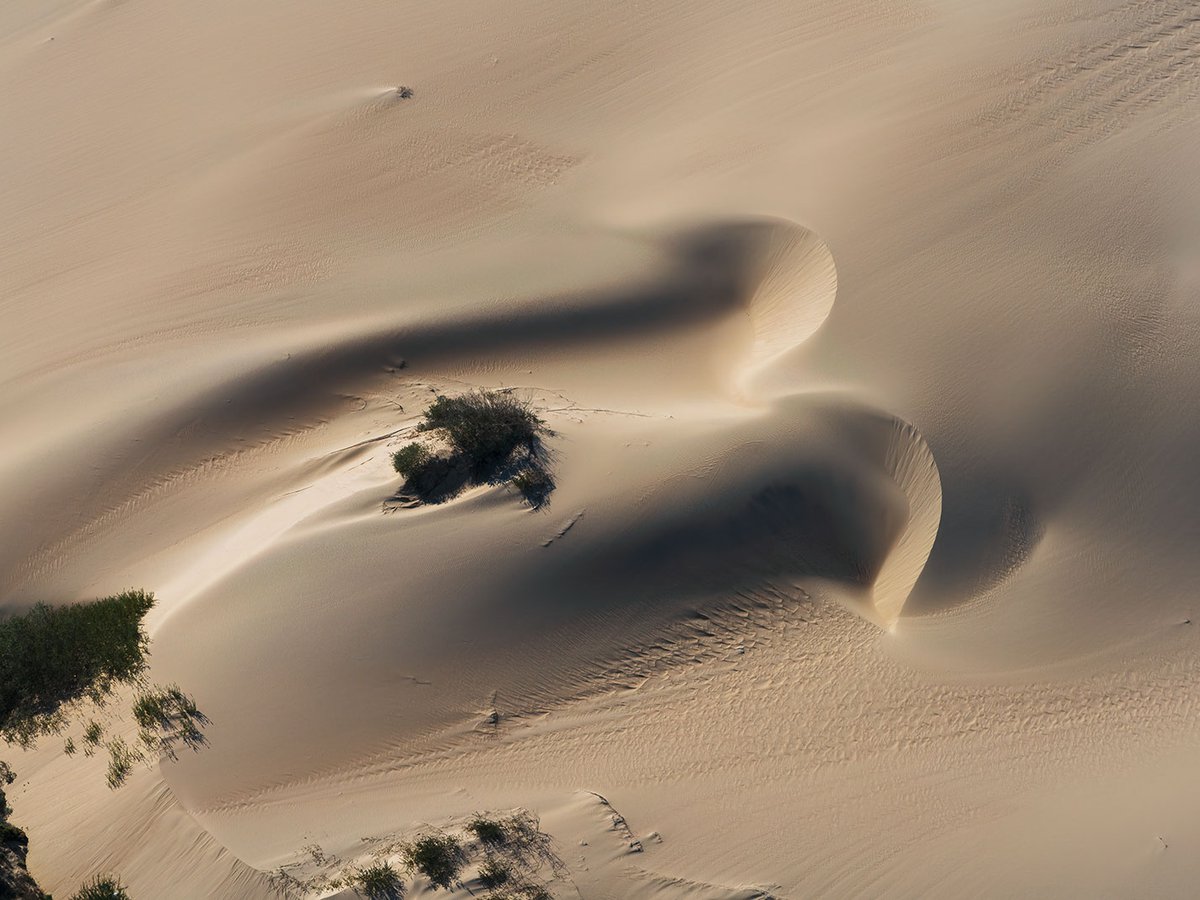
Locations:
(867, 336)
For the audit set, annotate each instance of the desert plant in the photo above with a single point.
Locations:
(379, 881)
(439, 857)
(484, 426)
(166, 716)
(120, 762)
(535, 485)
(494, 872)
(92, 735)
(52, 656)
(410, 459)
(490, 832)
(521, 892)
(102, 887)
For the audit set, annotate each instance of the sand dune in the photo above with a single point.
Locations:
(864, 333)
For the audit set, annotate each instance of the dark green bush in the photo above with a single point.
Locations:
(410, 459)
(494, 873)
(103, 887)
(484, 426)
(167, 716)
(51, 656)
(120, 762)
(379, 881)
(535, 485)
(439, 857)
(11, 834)
(490, 832)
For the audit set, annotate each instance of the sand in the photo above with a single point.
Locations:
(866, 332)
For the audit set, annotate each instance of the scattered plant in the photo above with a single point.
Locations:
(120, 762)
(167, 716)
(410, 459)
(379, 881)
(103, 887)
(490, 832)
(92, 735)
(439, 857)
(494, 873)
(535, 485)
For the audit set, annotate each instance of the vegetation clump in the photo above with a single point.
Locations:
(52, 660)
(410, 459)
(535, 485)
(120, 762)
(494, 873)
(103, 887)
(166, 716)
(484, 426)
(439, 857)
(492, 436)
(52, 656)
(9, 833)
(379, 881)
(490, 832)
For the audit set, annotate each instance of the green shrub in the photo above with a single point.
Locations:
(102, 887)
(51, 656)
(535, 485)
(11, 834)
(490, 832)
(120, 762)
(494, 873)
(410, 459)
(484, 426)
(379, 881)
(166, 716)
(521, 892)
(91, 736)
(439, 857)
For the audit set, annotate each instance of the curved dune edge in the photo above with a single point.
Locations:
(796, 285)
(911, 465)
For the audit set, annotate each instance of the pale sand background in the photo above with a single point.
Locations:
(795, 282)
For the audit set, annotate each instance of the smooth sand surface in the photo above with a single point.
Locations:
(868, 335)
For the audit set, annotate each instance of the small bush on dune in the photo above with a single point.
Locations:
(379, 881)
(103, 887)
(523, 892)
(494, 873)
(120, 762)
(535, 485)
(166, 716)
(410, 459)
(91, 736)
(484, 426)
(492, 434)
(490, 832)
(439, 857)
